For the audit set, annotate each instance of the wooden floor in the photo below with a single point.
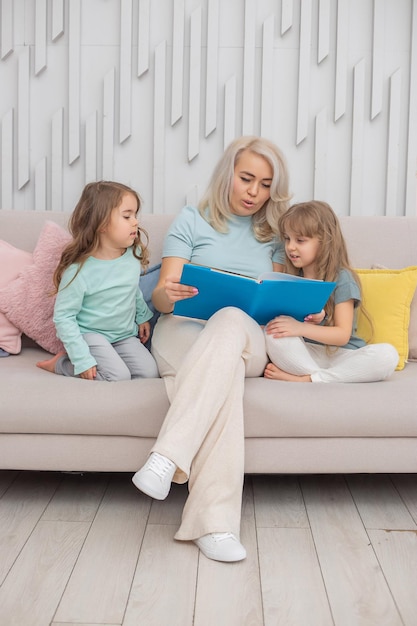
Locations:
(322, 550)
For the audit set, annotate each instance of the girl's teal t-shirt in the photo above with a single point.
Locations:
(192, 238)
(347, 289)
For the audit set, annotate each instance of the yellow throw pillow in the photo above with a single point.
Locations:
(387, 296)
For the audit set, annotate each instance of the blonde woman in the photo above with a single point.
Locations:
(204, 364)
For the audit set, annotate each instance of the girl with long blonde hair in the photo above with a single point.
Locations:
(332, 351)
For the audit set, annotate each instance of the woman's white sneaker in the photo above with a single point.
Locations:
(155, 477)
(221, 547)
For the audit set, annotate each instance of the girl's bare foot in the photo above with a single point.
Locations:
(49, 364)
(275, 373)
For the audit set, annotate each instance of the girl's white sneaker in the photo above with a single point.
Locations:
(221, 547)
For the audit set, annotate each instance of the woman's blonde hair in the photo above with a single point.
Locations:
(91, 214)
(317, 219)
(215, 204)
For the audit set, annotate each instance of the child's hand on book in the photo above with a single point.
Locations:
(315, 318)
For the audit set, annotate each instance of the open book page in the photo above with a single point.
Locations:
(282, 276)
(283, 295)
(263, 276)
(216, 269)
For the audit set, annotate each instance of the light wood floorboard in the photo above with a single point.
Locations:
(98, 589)
(322, 551)
(292, 584)
(356, 587)
(230, 593)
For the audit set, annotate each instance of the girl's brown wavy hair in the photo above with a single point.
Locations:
(91, 214)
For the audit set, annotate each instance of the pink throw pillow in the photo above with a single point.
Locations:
(27, 301)
(12, 261)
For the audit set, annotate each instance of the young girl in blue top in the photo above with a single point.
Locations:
(330, 352)
(99, 309)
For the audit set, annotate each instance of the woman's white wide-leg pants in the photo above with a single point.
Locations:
(204, 366)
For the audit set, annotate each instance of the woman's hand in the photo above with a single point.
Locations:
(89, 374)
(176, 291)
(284, 326)
(169, 290)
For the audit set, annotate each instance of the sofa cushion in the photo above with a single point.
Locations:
(27, 301)
(387, 296)
(55, 404)
(285, 409)
(412, 329)
(12, 261)
(72, 406)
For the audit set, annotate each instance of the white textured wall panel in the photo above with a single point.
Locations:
(74, 78)
(91, 148)
(212, 65)
(411, 184)
(125, 71)
(177, 60)
(320, 156)
(7, 160)
(57, 158)
(230, 111)
(108, 124)
(40, 185)
(57, 19)
(267, 101)
(377, 57)
(23, 103)
(150, 92)
(323, 46)
(358, 123)
(342, 41)
(143, 36)
(393, 144)
(248, 98)
(194, 85)
(304, 71)
(6, 28)
(286, 15)
(40, 35)
(159, 127)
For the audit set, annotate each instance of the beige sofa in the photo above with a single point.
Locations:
(49, 422)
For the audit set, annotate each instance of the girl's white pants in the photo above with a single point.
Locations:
(204, 365)
(371, 363)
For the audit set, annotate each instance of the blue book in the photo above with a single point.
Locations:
(264, 298)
